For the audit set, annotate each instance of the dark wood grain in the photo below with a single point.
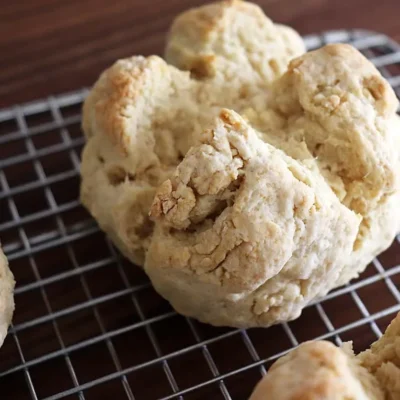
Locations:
(51, 46)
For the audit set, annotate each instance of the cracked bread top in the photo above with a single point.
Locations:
(156, 135)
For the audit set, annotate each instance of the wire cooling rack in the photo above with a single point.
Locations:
(88, 325)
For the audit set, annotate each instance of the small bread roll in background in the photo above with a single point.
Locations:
(320, 370)
(7, 284)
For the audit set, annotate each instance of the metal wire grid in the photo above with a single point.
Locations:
(50, 242)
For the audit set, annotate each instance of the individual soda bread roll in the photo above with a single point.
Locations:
(326, 129)
(383, 360)
(320, 370)
(7, 284)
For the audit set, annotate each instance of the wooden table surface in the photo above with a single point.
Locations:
(52, 46)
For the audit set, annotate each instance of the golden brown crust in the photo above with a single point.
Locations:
(211, 39)
(120, 96)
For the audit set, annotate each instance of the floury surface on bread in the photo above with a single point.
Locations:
(319, 370)
(246, 184)
(241, 231)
